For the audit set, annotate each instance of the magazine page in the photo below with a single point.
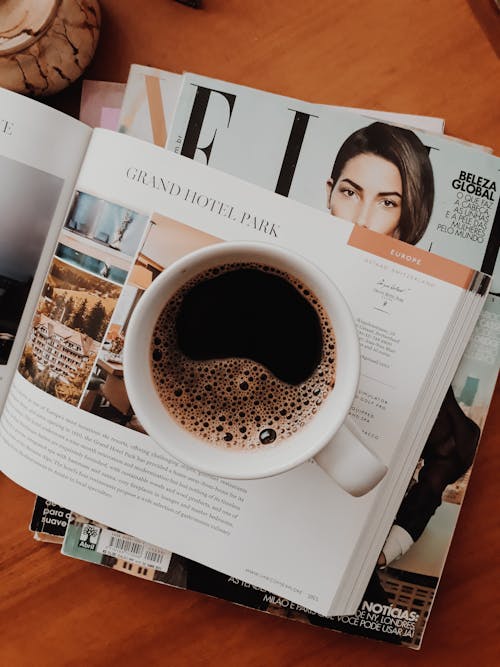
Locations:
(100, 103)
(119, 476)
(40, 154)
(151, 97)
(442, 195)
(49, 521)
(149, 103)
(99, 107)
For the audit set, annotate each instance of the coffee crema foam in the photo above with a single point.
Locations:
(237, 403)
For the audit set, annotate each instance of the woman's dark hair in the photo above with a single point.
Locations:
(405, 150)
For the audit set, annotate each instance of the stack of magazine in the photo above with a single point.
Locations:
(404, 218)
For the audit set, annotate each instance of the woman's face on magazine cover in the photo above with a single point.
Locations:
(369, 193)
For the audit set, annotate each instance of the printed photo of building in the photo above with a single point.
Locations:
(70, 322)
(61, 349)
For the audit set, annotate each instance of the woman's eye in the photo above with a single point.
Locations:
(388, 203)
(348, 192)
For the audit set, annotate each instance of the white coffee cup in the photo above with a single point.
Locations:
(329, 436)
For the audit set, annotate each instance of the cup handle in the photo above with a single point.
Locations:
(349, 462)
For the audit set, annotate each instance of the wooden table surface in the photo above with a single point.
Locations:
(432, 57)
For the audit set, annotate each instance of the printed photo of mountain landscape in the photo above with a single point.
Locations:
(28, 198)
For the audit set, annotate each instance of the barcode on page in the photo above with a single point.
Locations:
(119, 545)
(156, 557)
(128, 546)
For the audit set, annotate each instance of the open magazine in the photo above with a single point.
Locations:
(144, 109)
(101, 103)
(409, 584)
(131, 210)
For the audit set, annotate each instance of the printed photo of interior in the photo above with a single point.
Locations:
(105, 223)
(103, 262)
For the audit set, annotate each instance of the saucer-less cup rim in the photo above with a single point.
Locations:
(235, 463)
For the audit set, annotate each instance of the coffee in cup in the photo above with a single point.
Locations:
(243, 355)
